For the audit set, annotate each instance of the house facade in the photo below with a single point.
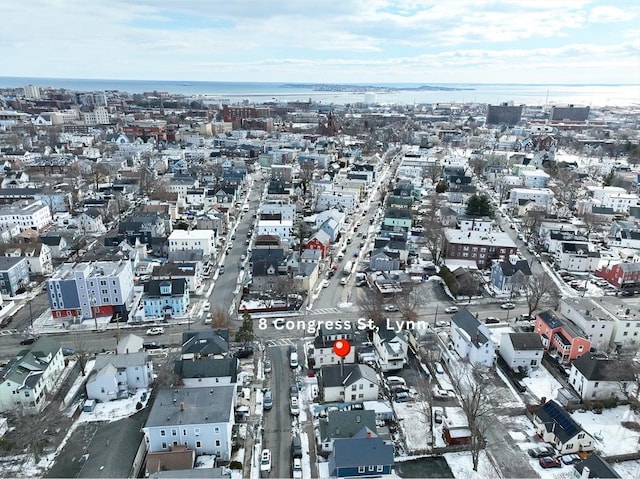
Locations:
(521, 351)
(392, 349)
(14, 274)
(556, 426)
(322, 354)
(348, 383)
(30, 376)
(114, 376)
(597, 378)
(562, 339)
(319, 241)
(199, 418)
(369, 456)
(621, 275)
(478, 246)
(511, 275)
(166, 298)
(471, 339)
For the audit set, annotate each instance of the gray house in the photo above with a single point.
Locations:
(114, 376)
(207, 343)
(511, 275)
(344, 424)
(199, 418)
(366, 456)
(208, 372)
(382, 260)
(14, 274)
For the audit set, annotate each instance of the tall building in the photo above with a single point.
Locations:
(31, 91)
(569, 113)
(504, 114)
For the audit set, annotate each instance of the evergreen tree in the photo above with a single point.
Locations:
(442, 186)
(479, 205)
(245, 333)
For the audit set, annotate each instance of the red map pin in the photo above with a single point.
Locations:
(341, 347)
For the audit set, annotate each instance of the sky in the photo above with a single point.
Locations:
(327, 41)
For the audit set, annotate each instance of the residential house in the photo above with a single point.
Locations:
(28, 378)
(58, 244)
(308, 270)
(14, 274)
(27, 215)
(535, 179)
(398, 219)
(594, 320)
(343, 425)
(391, 347)
(510, 276)
(597, 378)
(114, 376)
(191, 272)
(478, 247)
(165, 298)
(469, 223)
(472, 339)
(382, 260)
(576, 256)
(319, 241)
(130, 343)
(321, 353)
(91, 221)
(265, 268)
(205, 240)
(207, 372)
(367, 456)
(199, 418)
(455, 427)
(348, 383)
(563, 339)
(38, 256)
(556, 426)
(521, 351)
(594, 467)
(540, 196)
(624, 276)
(212, 343)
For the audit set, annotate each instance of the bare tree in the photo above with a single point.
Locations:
(147, 180)
(467, 284)
(628, 363)
(220, 318)
(408, 301)
(80, 345)
(566, 186)
(424, 402)
(532, 221)
(98, 173)
(538, 286)
(165, 372)
(371, 304)
(307, 169)
(469, 383)
(592, 223)
(433, 229)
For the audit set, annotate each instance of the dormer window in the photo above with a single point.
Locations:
(165, 288)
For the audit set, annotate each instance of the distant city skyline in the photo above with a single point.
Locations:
(352, 41)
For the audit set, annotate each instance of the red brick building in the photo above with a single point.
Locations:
(321, 241)
(479, 246)
(622, 275)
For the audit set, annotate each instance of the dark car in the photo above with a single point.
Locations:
(293, 390)
(541, 451)
(29, 340)
(151, 345)
(491, 320)
(627, 293)
(68, 351)
(6, 321)
(296, 447)
(548, 462)
(244, 353)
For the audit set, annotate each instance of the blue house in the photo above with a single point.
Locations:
(510, 276)
(364, 455)
(14, 274)
(165, 298)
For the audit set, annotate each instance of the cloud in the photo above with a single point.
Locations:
(608, 14)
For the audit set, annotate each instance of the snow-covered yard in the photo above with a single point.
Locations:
(611, 437)
(415, 422)
(461, 465)
(115, 410)
(542, 384)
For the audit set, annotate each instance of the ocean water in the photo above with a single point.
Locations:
(533, 94)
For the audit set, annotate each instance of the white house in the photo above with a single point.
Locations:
(28, 378)
(200, 418)
(392, 349)
(540, 196)
(471, 339)
(576, 256)
(595, 378)
(348, 383)
(321, 353)
(184, 240)
(556, 426)
(208, 372)
(344, 201)
(475, 224)
(535, 179)
(283, 228)
(26, 214)
(521, 350)
(114, 376)
(597, 323)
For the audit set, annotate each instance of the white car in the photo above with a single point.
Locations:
(297, 468)
(295, 409)
(325, 283)
(507, 306)
(265, 460)
(391, 308)
(206, 307)
(155, 331)
(451, 309)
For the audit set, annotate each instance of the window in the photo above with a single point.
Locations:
(360, 469)
(379, 468)
(371, 468)
(217, 442)
(164, 445)
(198, 444)
(596, 384)
(580, 348)
(216, 430)
(174, 432)
(353, 388)
(184, 432)
(196, 431)
(162, 432)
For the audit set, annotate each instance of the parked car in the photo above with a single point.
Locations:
(151, 345)
(390, 308)
(155, 331)
(207, 306)
(68, 351)
(296, 447)
(267, 402)
(221, 270)
(294, 407)
(6, 321)
(507, 305)
(402, 397)
(399, 389)
(343, 281)
(29, 340)
(548, 462)
(267, 366)
(244, 353)
(396, 381)
(297, 468)
(439, 368)
(491, 320)
(451, 309)
(569, 459)
(265, 460)
(437, 415)
(325, 283)
(541, 451)
(444, 394)
(442, 324)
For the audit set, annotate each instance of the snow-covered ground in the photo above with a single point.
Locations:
(542, 384)
(115, 410)
(628, 469)
(415, 422)
(461, 465)
(611, 437)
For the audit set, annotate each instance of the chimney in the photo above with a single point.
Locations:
(368, 435)
(585, 473)
(181, 406)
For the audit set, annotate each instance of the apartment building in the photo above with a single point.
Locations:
(26, 215)
(478, 246)
(183, 240)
